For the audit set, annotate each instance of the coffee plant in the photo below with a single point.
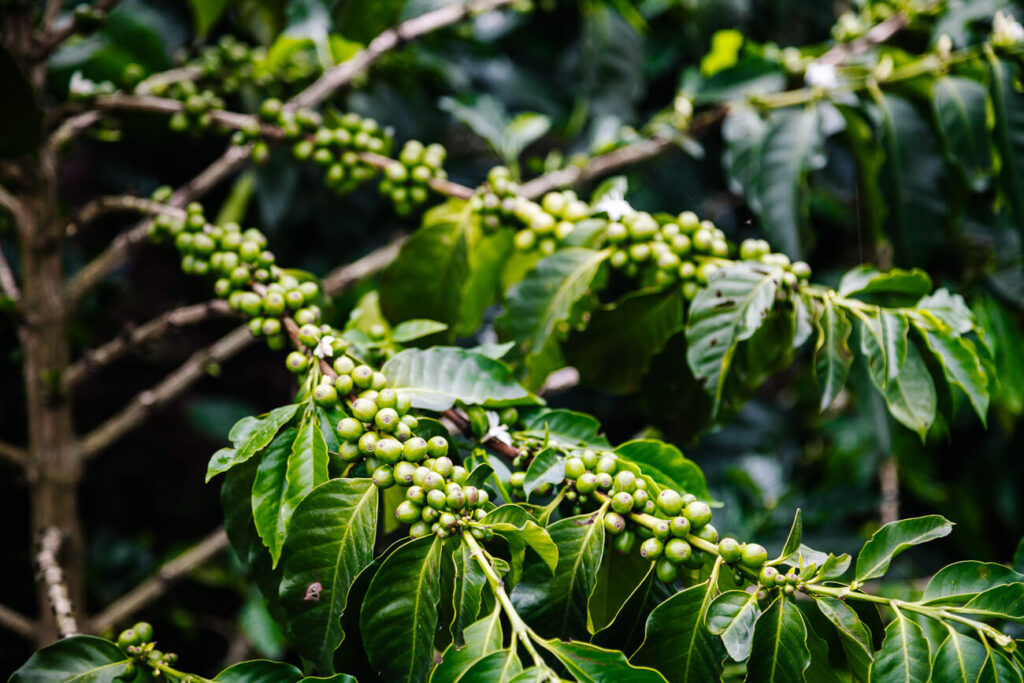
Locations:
(421, 507)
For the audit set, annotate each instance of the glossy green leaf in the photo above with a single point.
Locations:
(729, 310)
(427, 278)
(731, 617)
(959, 659)
(793, 146)
(832, 355)
(618, 578)
(588, 662)
(330, 541)
(1000, 602)
(820, 669)
(469, 583)
(677, 641)
(547, 297)
(614, 352)
(626, 632)
(307, 463)
(998, 668)
(911, 395)
(904, 655)
(666, 465)
(488, 255)
(961, 109)
(399, 612)
(482, 638)
(78, 658)
(497, 667)
(913, 177)
(557, 605)
(867, 279)
(883, 342)
(961, 580)
(206, 13)
(411, 330)
(895, 537)
(547, 467)
(259, 671)
(796, 533)
(567, 429)
(437, 377)
(961, 365)
(270, 511)
(950, 309)
(1008, 107)
(778, 651)
(249, 435)
(834, 566)
(743, 132)
(517, 526)
(854, 636)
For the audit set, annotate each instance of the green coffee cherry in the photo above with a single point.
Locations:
(325, 395)
(666, 571)
(388, 450)
(651, 549)
(297, 362)
(670, 502)
(679, 527)
(624, 542)
(364, 409)
(437, 447)
(677, 550)
(407, 512)
(754, 555)
(384, 477)
(698, 513)
(614, 523)
(730, 550)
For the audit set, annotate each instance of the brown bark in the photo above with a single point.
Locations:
(53, 467)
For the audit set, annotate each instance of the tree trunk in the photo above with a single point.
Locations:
(54, 467)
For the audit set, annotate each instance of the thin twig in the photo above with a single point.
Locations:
(335, 78)
(13, 453)
(182, 73)
(52, 575)
(155, 586)
(377, 260)
(877, 35)
(132, 337)
(172, 386)
(233, 158)
(16, 622)
(50, 41)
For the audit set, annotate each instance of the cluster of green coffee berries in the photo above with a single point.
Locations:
(758, 250)
(662, 521)
(195, 116)
(407, 181)
(495, 201)
(137, 642)
(548, 223)
(336, 145)
(438, 499)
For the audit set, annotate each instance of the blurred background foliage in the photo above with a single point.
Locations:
(571, 77)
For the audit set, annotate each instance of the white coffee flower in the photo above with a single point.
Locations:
(1006, 30)
(324, 347)
(821, 75)
(615, 205)
(496, 430)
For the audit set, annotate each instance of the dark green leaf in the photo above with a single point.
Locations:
(854, 636)
(961, 108)
(614, 352)
(498, 667)
(399, 612)
(427, 278)
(904, 655)
(832, 355)
(666, 465)
(249, 435)
(1001, 602)
(794, 145)
(547, 467)
(437, 377)
(487, 257)
(914, 178)
(999, 669)
(731, 617)
(588, 662)
(779, 651)
(482, 638)
(820, 668)
(516, 525)
(557, 605)
(796, 533)
(567, 429)
(911, 395)
(547, 297)
(1008, 107)
(618, 578)
(307, 463)
(895, 537)
(961, 580)
(270, 512)
(869, 280)
(743, 132)
(959, 659)
(469, 584)
(259, 671)
(962, 366)
(729, 310)
(206, 14)
(677, 641)
(329, 542)
(78, 658)
(417, 328)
